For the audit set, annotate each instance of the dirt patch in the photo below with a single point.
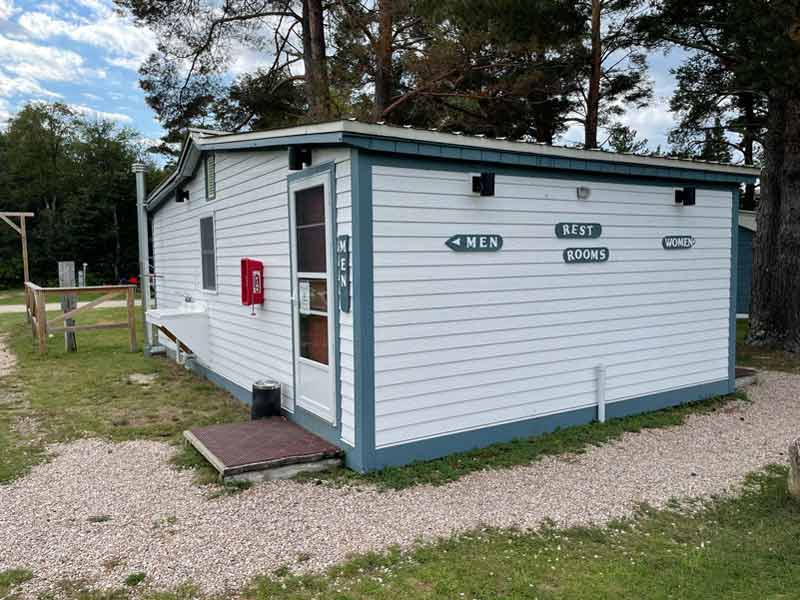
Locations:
(8, 361)
(26, 426)
(142, 378)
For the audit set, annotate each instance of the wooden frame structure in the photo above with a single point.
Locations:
(21, 230)
(41, 327)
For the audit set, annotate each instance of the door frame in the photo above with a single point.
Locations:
(321, 175)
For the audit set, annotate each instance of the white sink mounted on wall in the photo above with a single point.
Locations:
(188, 322)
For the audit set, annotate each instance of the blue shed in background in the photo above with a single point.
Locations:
(744, 277)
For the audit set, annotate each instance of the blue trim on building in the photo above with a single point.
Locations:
(462, 166)
(525, 159)
(332, 138)
(734, 272)
(363, 309)
(479, 438)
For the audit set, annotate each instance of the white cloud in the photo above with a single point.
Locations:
(93, 113)
(35, 62)
(5, 112)
(127, 45)
(11, 86)
(101, 8)
(7, 9)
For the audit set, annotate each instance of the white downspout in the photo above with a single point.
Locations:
(144, 252)
(600, 375)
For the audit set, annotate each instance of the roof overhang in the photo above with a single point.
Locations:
(436, 144)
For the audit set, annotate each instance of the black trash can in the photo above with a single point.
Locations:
(266, 399)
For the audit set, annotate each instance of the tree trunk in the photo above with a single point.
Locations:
(593, 98)
(318, 94)
(775, 312)
(748, 201)
(383, 58)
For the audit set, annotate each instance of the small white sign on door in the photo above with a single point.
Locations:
(305, 296)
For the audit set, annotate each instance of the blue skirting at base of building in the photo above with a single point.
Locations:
(432, 448)
(478, 438)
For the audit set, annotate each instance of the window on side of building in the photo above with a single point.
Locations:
(208, 254)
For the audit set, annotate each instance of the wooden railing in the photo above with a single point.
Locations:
(41, 327)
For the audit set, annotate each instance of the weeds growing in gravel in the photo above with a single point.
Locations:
(12, 578)
(134, 579)
(523, 451)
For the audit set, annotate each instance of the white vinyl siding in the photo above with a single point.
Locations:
(470, 340)
(251, 220)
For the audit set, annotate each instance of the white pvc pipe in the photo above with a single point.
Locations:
(600, 378)
(144, 251)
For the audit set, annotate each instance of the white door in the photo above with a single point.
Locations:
(313, 296)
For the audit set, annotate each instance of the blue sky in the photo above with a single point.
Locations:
(82, 53)
(79, 52)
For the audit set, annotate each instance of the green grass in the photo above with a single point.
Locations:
(10, 579)
(517, 452)
(763, 358)
(87, 394)
(135, 579)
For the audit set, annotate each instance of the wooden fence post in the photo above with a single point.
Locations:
(66, 278)
(41, 321)
(132, 318)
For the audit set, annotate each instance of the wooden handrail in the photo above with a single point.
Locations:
(78, 290)
(36, 306)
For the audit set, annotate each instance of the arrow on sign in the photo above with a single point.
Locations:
(475, 242)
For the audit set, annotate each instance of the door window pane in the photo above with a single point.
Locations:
(314, 338)
(310, 229)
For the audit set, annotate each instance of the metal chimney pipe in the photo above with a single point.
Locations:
(144, 251)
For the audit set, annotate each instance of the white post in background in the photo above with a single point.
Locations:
(144, 252)
(600, 376)
(66, 278)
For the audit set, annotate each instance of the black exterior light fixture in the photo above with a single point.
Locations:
(299, 156)
(483, 184)
(181, 195)
(687, 196)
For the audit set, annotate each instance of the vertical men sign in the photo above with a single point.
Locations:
(343, 271)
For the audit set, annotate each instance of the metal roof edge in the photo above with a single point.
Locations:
(406, 140)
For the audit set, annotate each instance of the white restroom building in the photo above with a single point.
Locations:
(428, 293)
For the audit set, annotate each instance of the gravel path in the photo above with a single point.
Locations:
(101, 511)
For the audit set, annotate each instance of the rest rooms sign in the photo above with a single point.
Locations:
(475, 242)
(585, 255)
(572, 231)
